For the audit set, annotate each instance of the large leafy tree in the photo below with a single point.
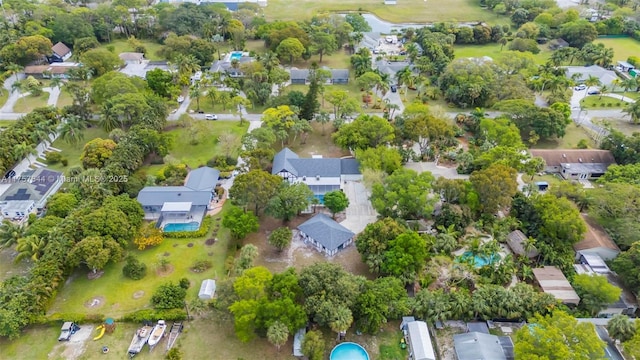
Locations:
(627, 265)
(280, 238)
(26, 50)
(495, 186)
(101, 61)
(313, 345)
(578, 33)
(336, 201)
(96, 152)
(95, 252)
(290, 49)
(558, 336)
(364, 132)
(289, 200)
(256, 188)
(240, 223)
(562, 226)
(406, 256)
(535, 122)
(373, 242)
(381, 300)
(595, 292)
(381, 158)
(621, 328)
(403, 195)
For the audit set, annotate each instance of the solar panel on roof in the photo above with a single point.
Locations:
(21, 194)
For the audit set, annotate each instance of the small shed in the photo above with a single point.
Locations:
(542, 185)
(207, 289)
(517, 241)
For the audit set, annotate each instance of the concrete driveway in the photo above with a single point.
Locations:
(360, 213)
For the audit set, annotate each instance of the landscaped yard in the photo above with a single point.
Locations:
(64, 99)
(27, 103)
(72, 152)
(197, 155)
(122, 45)
(570, 140)
(623, 125)
(622, 47)
(409, 11)
(114, 295)
(4, 94)
(493, 51)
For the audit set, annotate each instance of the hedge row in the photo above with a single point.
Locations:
(202, 232)
(134, 317)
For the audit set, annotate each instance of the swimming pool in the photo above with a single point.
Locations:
(320, 199)
(174, 227)
(479, 261)
(348, 351)
(236, 55)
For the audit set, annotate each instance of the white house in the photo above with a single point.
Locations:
(29, 193)
(60, 53)
(322, 175)
(417, 336)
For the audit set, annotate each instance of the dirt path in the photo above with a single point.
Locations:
(75, 347)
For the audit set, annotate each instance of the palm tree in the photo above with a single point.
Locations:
(277, 334)
(269, 60)
(17, 86)
(603, 89)
(621, 328)
(615, 83)
(56, 83)
(186, 64)
(392, 109)
(403, 76)
(31, 247)
(633, 110)
(591, 81)
(342, 320)
(603, 57)
(629, 84)
(323, 117)
(14, 69)
(10, 233)
(71, 129)
(196, 93)
(412, 51)
(24, 150)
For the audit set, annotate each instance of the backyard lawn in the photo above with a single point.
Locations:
(622, 47)
(114, 295)
(72, 152)
(27, 103)
(570, 140)
(122, 45)
(493, 51)
(197, 155)
(408, 11)
(4, 94)
(64, 99)
(621, 124)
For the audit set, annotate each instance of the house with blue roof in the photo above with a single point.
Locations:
(322, 175)
(181, 204)
(325, 234)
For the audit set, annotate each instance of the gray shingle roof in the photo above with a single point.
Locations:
(349, 167)
(202, 179)
(158, 195)
(281, 162)
(326, 231)
(299, 74)
(478, 346)
(340, 74)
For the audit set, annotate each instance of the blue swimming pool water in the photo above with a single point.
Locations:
(478, 260)
(173, 227)
(320, 199)
(349, 351)
(236, 55)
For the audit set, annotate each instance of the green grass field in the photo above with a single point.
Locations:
(493, 51)
(117, 292)
(64, 99)
(28, 103)
(622, 47)
(122, 46)
(198, 155)
(596, 102)
(410, 11)
(570, 140)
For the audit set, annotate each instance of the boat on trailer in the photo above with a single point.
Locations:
(139, 339)
(157, 333)
(175, 331)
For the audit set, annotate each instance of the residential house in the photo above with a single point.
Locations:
(517, 241)
(229, 67)
(53, 70)
(552, 281)
(175, 204)
(416, 334)
(370, 40)
(325, 234)
(322, 175)
(29, 193)
(392, 67)
(596, 241)
(581, 73)
(576, 164)
(479, 346)
(301, 76)
(60, 53)
(131, 57)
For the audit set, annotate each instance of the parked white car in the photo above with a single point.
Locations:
(211, 117)
(180, 99)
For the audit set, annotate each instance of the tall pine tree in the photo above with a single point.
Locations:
(311, 105)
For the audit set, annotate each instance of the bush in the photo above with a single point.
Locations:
(184, 283)
(64, 162)
(134, 269)
(53, 157)
(174, 354)
(168, 296)
(155, 315)
(201, 265)
(583, 144)
(202, 232)
(56, 318)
